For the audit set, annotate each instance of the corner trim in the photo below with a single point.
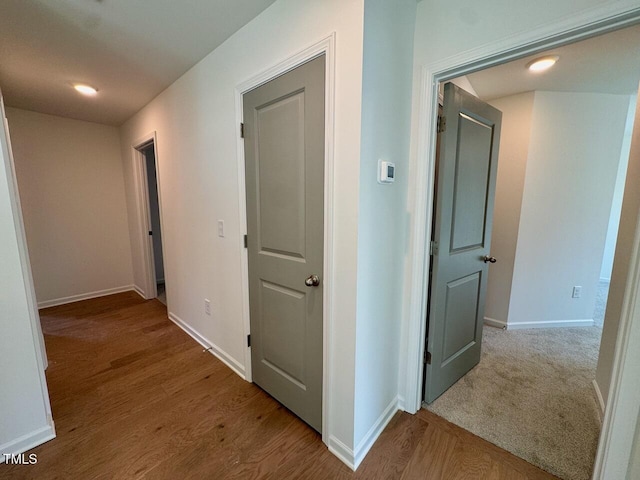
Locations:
(492, 322)
(374, 432)
(86, 296)
(587, 322)
(340, 450)
(29, 441)
(139, 291)
(598, 394)
(223, 356)
(401, 403)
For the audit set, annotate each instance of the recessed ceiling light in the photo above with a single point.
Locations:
(541, 64)
(85, 89)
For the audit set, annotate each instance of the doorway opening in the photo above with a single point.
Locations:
(151, 220)
(561, 197)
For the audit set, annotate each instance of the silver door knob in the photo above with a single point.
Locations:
(312, 281)
(489, 259)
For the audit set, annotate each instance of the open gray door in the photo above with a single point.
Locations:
(284, 156)
(465, 191)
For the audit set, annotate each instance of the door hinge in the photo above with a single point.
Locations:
(242, 130)
(246, 241)
(442, 123)
(433, 248)
(248, 340)
(427, 357)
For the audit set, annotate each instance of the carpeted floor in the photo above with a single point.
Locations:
(532, 395)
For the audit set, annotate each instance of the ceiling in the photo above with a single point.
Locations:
(609, 63)
(130, 50)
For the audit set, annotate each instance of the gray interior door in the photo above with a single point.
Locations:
(284, 155)
(465, 191)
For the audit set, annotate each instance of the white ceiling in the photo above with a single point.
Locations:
(130, 50)
(606, 64)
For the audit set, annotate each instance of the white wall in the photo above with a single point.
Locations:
(382, 219)
(197, 130)
(447, 28)
(574, 151)
(25, 414)
(72, 192)
(517, 111)
(624, 248)
(616, 204)
(569, 176)
(514, 152)
(462, 82)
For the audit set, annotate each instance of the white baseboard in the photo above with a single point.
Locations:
(139, 291)
(85, 296)
(492, 322)
(29, 441)
(340, 450)
(223, 356)
(598, 393)
(401, 403)
(374, 432)
(551, 324)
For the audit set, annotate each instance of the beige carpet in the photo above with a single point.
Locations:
(532, 395)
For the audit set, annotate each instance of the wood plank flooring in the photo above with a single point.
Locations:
(134, 397)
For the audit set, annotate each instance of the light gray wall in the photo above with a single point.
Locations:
(553, 198)
(624, 247)
(382, 217)
(516, 111)
(574, 151)
(73, 200)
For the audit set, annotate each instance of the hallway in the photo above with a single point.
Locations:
(135, 397)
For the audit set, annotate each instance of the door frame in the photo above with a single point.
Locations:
(622, 401)
(325, 46)
(143, 213)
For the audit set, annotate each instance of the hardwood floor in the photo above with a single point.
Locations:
(134, 397)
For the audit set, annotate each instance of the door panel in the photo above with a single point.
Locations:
(473, 163)
(465, 191)
(280, 127)
(460, 316)
(284, 160)
(282, 315)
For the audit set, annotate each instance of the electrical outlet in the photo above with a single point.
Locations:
(577, 292)
(221, 228)
(207, 306)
